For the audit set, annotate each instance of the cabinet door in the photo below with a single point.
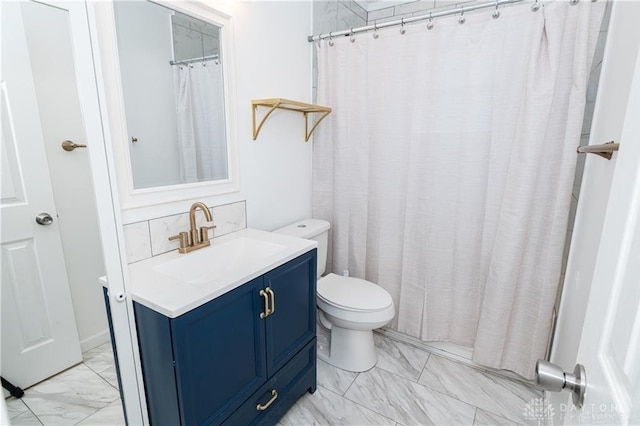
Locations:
(293, 322)
(220, 355)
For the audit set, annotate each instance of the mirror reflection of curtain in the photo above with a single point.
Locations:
(201, 123)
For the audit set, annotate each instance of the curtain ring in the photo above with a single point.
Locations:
(375, 30)
(402, 28)
(430, 22)
(496, 13)
(352, 39)
(331, 43)
(536, 6)
(462, 19)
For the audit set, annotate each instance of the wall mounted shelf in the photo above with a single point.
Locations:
(279, 103)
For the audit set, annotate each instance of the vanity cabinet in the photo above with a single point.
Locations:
(231, 360)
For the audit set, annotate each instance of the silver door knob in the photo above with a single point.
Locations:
(551, 377)
(44, 219)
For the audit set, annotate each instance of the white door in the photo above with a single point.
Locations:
(39, 336)
(610, 341)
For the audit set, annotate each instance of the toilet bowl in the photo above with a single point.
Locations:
(349, 309)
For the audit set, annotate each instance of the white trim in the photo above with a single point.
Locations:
(94, 341)
(141, 204)
(111, 231)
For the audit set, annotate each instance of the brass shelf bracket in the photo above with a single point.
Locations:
(289, 105)
(605, 150)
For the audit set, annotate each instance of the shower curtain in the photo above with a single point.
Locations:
(199, 93)
(446, 170)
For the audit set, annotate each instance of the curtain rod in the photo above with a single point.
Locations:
(460, 10)
(200, 59)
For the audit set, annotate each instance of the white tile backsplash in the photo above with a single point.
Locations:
(151, 238)
(229, 218)
(137, 241)
(164, 227)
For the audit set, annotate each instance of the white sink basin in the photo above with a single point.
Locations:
(174, 283)
(217, 261)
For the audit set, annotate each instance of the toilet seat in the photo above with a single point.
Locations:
(353, 294)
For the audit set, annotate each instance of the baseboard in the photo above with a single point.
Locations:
(95, 340)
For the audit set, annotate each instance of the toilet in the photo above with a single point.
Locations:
(349, 308)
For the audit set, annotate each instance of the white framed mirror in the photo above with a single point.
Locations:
(171, 98)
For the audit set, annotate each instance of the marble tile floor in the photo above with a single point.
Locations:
(408, 386)
(86, 394)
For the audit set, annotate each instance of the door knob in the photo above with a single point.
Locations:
(44, 219)
(70, 146)
(551, 377)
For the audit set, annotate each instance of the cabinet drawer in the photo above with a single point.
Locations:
(289, 383)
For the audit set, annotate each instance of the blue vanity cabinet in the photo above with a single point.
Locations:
(293, 322)
(223, 363)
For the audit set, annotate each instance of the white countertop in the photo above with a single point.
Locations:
(172, 297)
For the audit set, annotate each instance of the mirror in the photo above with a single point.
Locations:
(171, 67)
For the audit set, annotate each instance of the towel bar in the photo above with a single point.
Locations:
(605, 150)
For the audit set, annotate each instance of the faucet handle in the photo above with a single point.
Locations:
(204, 232)
(184, 239)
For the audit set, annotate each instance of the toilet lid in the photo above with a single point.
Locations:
(353, 293)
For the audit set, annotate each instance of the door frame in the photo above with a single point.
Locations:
(92, 103)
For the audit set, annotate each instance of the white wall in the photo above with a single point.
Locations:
(48, 37)
(145, 49)
(273, 60)
(617, 72)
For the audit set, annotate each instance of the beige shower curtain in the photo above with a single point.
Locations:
(446, 170)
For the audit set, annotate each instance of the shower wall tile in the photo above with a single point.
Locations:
(375, 15)
(347, 18)
(588, 118)
(392, 18)
(572, 212)
(325, 16)
(592, 85)
(137, 241)
(414, 6)
(193, 38)
(210, 45)
(565, 259)
(151, 238)
(357, 9)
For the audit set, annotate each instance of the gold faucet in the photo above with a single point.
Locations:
(194, 239)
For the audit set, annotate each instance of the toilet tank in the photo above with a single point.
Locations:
(311, 229)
